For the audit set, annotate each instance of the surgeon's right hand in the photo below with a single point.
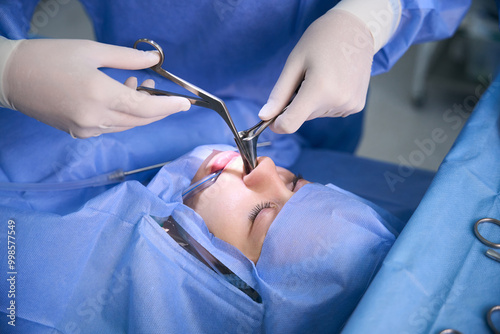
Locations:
(58, 82)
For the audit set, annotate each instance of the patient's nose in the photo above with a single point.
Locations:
(264, 176)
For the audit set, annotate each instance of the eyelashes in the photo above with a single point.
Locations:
(257, 209)
(296, 179)
(252, 216)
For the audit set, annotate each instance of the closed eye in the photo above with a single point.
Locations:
(257, 209)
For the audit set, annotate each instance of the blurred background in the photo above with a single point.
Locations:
(415, 111)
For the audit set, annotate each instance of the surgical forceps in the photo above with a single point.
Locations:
(246, 141)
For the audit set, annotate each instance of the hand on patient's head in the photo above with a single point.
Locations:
(240, 208)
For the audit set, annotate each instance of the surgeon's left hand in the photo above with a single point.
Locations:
(332, 64)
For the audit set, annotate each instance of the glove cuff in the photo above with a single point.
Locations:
(380, 16)
(7, 47)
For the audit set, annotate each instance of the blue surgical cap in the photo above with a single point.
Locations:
(318, 258)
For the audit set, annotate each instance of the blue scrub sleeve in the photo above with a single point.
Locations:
(15, 17)
(421, 21)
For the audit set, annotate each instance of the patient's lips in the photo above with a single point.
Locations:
(221, 160)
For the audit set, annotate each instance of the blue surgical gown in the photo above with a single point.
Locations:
(237, 49)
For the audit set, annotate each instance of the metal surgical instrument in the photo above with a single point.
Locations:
(204, 99)
(207, 181)
(202, 184)
(193, 247)
(249, 138)
(490, 252)
(489, 320)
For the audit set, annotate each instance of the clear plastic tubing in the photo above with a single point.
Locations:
(116, 176)
(99, 180)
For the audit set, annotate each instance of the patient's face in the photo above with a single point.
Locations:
(240, 208)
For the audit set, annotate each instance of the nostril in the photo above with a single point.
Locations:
(261, 173)
(247, 178)
(250, 178)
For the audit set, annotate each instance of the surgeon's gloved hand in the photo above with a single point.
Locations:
(332, 64)
(58, 82)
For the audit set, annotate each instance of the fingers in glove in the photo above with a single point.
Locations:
(125, 99)
(284, 89)
(120, 120)
(132, 83)
(150, 83)
(112, 122)
(319, 96)
(299, 109)
(123, 58)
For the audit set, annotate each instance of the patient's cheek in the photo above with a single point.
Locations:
(207, 199)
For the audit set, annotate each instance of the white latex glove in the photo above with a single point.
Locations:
(58, 82)
(332, 63)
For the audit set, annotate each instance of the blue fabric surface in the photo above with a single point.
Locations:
(110, 268)
(437, 276)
